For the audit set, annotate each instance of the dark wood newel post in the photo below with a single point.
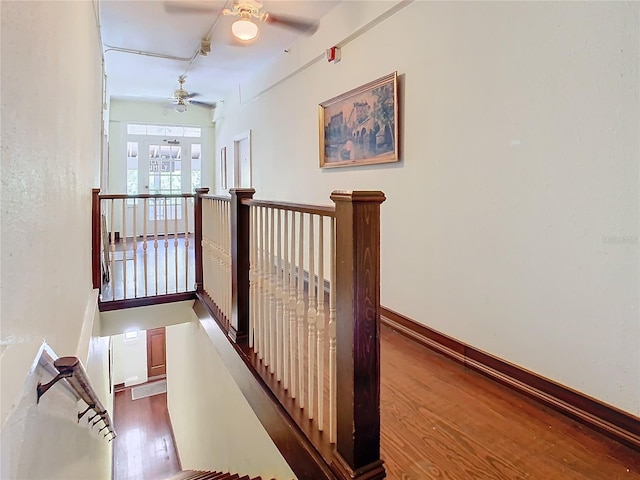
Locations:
(240, 234)
(96, 273)
(357, 453)
(197, 227)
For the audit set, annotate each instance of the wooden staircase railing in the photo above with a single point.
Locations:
(297, 289)
(203, 475)
(142, 251)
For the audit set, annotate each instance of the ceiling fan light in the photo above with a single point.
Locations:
(181, 107)
(244, 29)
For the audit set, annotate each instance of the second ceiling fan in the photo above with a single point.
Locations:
(181, 98)
(248, 12)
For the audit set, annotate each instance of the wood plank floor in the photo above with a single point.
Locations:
(146, 269)
(144, 448)
(440, 420)
(443, 421)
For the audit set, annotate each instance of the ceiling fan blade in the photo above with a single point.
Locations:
(295, 23)
(192, 94)
(203, 104)
(189, 7)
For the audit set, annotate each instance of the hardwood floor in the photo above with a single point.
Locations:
(443, 421)
(154, 270)
(144, 448)
(439, 420)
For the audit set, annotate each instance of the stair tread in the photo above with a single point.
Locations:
(209, 475)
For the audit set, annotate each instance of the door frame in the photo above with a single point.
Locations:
(236, 159)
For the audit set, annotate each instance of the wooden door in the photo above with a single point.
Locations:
(156, 352)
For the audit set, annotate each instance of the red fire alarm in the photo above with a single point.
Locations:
(332, 54)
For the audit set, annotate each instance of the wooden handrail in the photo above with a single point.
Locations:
(324, 210)
(71, 369)
(222, 198)
(114, 196)
(134, 234)
(96, 251)
(356, 216)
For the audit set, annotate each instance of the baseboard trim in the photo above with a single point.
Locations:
(609, 420)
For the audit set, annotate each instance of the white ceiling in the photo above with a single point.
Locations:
(146, 26)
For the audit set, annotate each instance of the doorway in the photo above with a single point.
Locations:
(156, 353)
(242, 160)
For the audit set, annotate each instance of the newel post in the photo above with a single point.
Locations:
(357, 454)
(197, 228)
(240, 235)
(96, 271)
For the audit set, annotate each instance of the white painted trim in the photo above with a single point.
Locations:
(236, 158)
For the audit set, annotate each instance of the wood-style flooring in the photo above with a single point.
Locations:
(441, 420)
(144, 448)
(146, 269)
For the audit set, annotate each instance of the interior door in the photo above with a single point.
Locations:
(161, 172)
(156, 352)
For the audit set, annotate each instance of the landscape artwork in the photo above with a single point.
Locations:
(360, 127)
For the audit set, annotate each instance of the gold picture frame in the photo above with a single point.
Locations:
(360, 127)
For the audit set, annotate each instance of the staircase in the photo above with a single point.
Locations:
(201, 475)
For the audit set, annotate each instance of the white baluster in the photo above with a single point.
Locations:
(286, 347)
(185, 201)
(175, 240)
(301, 313)
(260, 296)
(155, 243)
(135, 248)
(311, 319)
(264, 288)
(278, 294)
(252, 277)
(216, 294)
(229, 288)
(166, 246)
(145, 211)
(124, 248)
(292, 310)
(112, 251)
(320, 323)
(333, 409)
(272, 292)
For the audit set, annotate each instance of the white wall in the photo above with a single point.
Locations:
(214, 426)
(130, 359)
(129, 111)
(512, 220)
(51, 106)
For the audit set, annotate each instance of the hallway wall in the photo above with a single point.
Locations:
(511, 222)
(51, 94)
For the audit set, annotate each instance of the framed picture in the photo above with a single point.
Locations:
(223, 168)
(360, 127)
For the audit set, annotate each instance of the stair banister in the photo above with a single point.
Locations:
(357, 452)
(240, 236)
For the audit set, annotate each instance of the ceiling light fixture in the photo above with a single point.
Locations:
(180, 106)
(244, 29)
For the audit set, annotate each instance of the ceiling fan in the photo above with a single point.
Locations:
(248, 13)
(181, 98)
